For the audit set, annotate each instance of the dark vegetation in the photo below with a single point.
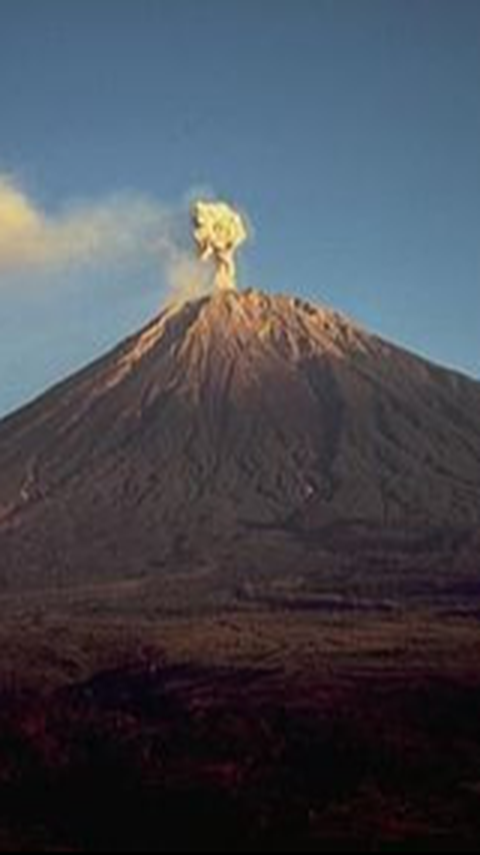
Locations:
(157, 758)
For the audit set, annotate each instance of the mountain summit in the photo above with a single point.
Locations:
(242, 432)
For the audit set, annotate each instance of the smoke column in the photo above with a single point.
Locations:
(219, 231)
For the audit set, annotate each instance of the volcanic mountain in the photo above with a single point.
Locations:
(244, 436)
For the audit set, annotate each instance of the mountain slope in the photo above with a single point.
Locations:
(233, 425)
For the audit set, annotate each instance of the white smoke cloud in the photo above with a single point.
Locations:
(219, 230)
(35, 243)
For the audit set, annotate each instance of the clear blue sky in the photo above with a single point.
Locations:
(348, 129)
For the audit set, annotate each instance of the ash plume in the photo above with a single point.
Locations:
(42, 247)
(219, 231)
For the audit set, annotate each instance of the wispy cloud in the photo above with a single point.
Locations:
(35, 242)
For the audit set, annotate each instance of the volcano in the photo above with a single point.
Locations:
(243, 437)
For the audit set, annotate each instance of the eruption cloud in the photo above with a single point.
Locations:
(219, 231)
(108, 235)
(116, 233)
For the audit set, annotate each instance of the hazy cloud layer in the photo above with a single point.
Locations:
(34, 242)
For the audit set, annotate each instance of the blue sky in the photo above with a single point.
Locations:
(349, 130)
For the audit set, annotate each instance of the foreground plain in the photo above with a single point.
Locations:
(345, 728)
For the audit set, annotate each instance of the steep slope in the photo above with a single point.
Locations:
(230, 426)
